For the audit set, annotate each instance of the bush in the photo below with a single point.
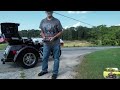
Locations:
(109, 42)
(98, 42)
(118, 41)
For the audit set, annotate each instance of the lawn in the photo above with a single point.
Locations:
(3, 46)
(77, 44)
(93, 64)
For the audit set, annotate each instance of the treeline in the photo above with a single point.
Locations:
(99, 35)
(29, 33)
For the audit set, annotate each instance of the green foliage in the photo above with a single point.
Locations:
(30, 33)
(99, 35)
(3, 46)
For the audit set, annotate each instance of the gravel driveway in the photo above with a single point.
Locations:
(69, 59)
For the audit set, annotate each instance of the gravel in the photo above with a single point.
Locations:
(68, 61)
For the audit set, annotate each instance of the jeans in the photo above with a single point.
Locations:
(46, 53)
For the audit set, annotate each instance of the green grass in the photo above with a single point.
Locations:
(77, 43)
(3, 46)
(93, 64)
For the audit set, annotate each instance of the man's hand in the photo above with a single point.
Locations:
(52, 38)
(43, 38)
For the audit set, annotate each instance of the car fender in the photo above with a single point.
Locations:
(24, 49)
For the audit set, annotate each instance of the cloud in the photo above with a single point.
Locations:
(115, 25)
(66, 27)
(77, 12)
(77, 24)
(118, 24)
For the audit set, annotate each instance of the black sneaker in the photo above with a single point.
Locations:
(42, 73)
(54, 76)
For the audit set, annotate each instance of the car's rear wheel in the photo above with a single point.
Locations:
(28, 59)
(114, 76)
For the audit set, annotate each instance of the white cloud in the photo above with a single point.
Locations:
(77, 12)
(115, 25)
(118, 24)
(66, 27)
(77, 24)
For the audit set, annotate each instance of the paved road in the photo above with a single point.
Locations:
(69, 59)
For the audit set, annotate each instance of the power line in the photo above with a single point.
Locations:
(73, 19)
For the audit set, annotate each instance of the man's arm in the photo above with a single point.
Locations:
(58, 35)
(42, 34)
(60, 29)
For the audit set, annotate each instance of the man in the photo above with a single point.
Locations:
(51, 30)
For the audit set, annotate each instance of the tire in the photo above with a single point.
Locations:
(28, 59)
(114, 76)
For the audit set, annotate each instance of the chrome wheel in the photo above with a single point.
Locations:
(29, 59)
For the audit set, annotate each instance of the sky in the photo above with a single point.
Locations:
(31, 19)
